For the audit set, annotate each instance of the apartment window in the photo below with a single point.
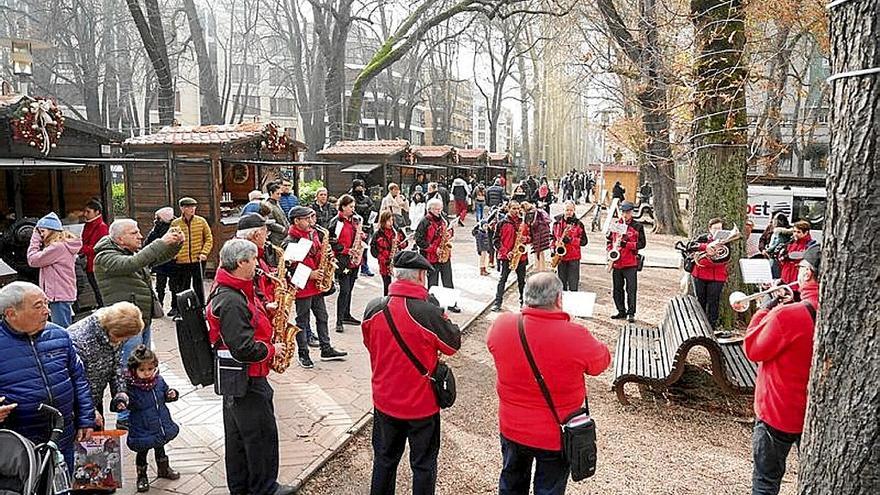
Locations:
(246, 73)
(281, 107)
(481, 124)
(481, 137)
(250, 104)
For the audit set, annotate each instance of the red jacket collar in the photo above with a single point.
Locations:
(226, 279)
(295, 231)
(408, 288)
(545, 314)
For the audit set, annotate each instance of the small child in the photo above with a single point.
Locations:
(150, 424)
(481, 236)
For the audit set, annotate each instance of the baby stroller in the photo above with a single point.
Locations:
(28, 469)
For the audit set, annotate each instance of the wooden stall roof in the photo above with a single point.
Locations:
(436, 154)
(362, 151)
(203, 136)
(8, 104)
(615, 167)
(501, 157)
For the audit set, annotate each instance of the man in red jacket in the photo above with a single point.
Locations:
(93, 231)
(507, 232)
(564, 352)
(794, 251)
(625, 270)
(709, 276)
(405, 404)
(780, 340)
(573, 235)
(429, 237)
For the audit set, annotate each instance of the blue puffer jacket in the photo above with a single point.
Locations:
(44, 368)
(150, 423)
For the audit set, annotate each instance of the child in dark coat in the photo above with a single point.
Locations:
(481, 236)
(150, 423)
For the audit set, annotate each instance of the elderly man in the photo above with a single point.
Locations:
(252, 227)
(38, 365)
(780, 340)
(323, 209)
(405, 404)
(563, 352)
(238, 322)
(122, 268)
(276, 214)
(188, 269)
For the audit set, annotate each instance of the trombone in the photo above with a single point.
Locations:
(741, 303)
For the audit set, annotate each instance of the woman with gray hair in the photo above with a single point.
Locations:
(98, 342)
(563, 352)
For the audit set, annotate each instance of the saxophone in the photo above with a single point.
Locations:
(560, 250)
(282, 331)
(328, 262)
(444, 250)
(356, 251)
(518, 248)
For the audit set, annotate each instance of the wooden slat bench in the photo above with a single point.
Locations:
(657, 356)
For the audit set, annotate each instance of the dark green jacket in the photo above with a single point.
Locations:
(125, 276)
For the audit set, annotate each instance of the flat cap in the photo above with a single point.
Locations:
(251, 221)
(412, 260)
(626, 206)
(812, 258)
(299, 212)
(187, 201)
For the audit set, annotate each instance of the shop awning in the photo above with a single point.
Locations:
(40, 163)
(419, 166)
(363, 168)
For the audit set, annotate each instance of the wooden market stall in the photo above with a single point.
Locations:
(48, 163)
(432, 162)
(626, 173)
(375, 162)
(217, 165)
(476, 160)
(499, 163)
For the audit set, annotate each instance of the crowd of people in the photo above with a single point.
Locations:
(46, 357)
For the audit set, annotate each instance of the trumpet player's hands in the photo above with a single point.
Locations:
(770, 302)
(566, 239)
(272, 307)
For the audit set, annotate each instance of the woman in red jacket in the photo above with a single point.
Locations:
(382, 246)
(709, 276)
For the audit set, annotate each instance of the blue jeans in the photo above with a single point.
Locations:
(551, 470)
(127, 348)
(61, 313)
(770, 448)
(478, 209)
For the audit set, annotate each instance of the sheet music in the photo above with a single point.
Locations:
(297, 251)
(756, 271)
(373, 217)
(610, 215)
(618, 228)
(6, 270)
(301, 275)
(446, 297)
(579, 303)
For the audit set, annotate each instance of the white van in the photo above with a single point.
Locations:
(797, 203)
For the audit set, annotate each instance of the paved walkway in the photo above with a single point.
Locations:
(317, 410)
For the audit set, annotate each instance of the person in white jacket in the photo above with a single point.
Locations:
(417, 207)
(461, 191)
(396, 204)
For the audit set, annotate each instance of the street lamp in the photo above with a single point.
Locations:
(604, 118)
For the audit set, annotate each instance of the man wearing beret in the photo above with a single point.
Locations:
(188, 270)
(309, 299)
(405, 405)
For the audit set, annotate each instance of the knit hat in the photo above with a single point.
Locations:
(50, 222)
(165, 214)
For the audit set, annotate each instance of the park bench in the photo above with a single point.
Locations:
(656, 356)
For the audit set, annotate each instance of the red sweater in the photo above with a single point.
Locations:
(708, 270)
(781, 342)
(564, 352)
(577, 237)
(312, 260)
(508, 231)
(91, 234)
(627, 253)
(384, 239)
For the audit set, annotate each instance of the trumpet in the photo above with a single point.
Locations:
(741, 302)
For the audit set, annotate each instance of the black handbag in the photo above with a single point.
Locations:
(578, 429)
(442, 380)
(230, 376)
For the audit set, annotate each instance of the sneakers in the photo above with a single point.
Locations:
(631, 318)
(619, 316)
(313, 342)
(331, 354)
(367, 273)
(172, 313)
(284, 490)
(496, 308)
(305, 361)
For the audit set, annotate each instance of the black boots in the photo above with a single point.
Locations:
(164, 470)
(143, 483)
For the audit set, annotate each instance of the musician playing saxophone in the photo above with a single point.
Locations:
(513, 235)
(624, 271)
(343, 231)
(432, 235)
(709, 274)
(387, 241)
(252, 227)
(570, 235)
(309, 299)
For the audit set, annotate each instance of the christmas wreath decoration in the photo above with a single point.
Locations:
(275, 141)
(37, 122)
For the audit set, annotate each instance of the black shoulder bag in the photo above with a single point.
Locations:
(442, 380)
(578, 429)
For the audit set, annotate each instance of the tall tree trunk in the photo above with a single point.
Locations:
(334, 85)
(524, 113)
(111, 78)
(839, 453)
(153, 38)
(719, 133)
(209, 101)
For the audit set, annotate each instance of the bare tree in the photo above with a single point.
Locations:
(153, 38)
(210, 109)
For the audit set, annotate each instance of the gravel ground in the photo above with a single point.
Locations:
(688, 440)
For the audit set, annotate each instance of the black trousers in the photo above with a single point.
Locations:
(551, 470)
(441, 271)
(709, 295)
(570, 274)
(93, 282)
(346, 285)
(386, 282)
(140, 458)
(251, 440)
(184, 276)
(389, 439)
(304, 309)
(625, 279)
(502, 280)
(161, 285)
